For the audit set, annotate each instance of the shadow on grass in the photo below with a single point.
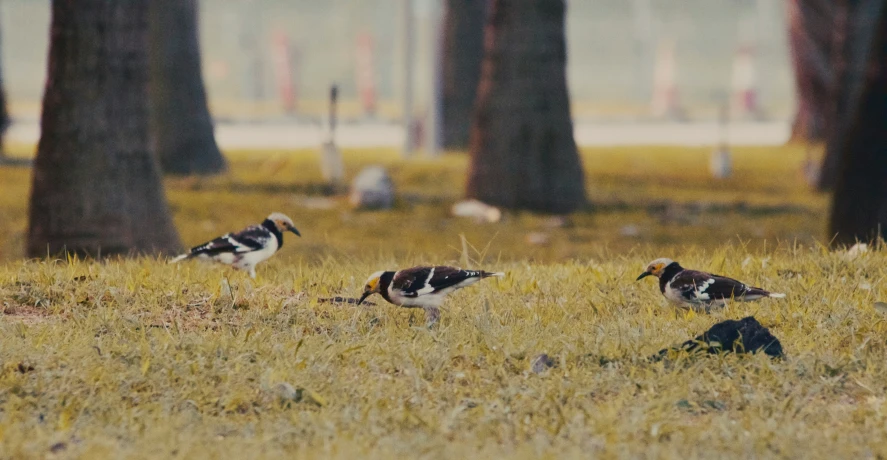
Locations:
(310, 188)
(698, 207)
(666, 210)
(16, 162)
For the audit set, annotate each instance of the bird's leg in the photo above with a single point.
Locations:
(432, 315)
(252, 272)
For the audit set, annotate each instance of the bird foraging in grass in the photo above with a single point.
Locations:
(421, 287)
(245, 249)
(700, 290)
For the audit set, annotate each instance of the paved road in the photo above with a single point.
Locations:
(290, 135)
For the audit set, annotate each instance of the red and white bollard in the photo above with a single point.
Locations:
(744, 85)
(366, 74)
(665, 101)
(283, 71)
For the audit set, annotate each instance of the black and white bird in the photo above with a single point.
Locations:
(422, 287)
(245, 249)
(700, 290)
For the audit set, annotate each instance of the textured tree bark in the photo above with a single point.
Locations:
(181, 125)
(842, 11)
(463, 52)
(811, 24)
(96, 188)
(859, 140)
(523, 155)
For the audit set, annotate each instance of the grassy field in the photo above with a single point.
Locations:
(141, 359)
(661, 198)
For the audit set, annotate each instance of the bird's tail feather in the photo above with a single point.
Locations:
(757, 293)
(489, 274)
(180, 258)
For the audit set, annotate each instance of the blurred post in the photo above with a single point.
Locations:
(744, 79)
(721, 164)
(334, 100)
(643, 42)
(296, 74)
(664, 103)
(745, 88)
(433, 126)
(408, 56)
(331, 166)
(283, 66)
(764, 25)
(366, 74)
(253, 78)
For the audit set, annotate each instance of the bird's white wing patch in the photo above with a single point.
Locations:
(427, 288)
(239, 246)
(700, 289)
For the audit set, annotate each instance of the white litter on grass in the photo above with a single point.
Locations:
(856, 250)
(372, 188)
(480, 211)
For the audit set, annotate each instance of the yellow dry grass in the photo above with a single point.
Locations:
(141, 359)
(655, 197)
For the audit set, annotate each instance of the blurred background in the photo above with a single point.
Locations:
(554, 128)
(273, 61)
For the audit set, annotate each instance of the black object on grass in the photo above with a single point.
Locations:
(743, 336)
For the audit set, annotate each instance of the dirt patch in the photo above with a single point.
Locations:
(25, 313)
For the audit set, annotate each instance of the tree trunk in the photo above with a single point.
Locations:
(463, 53)
(181, 125)
(859, 140)
(523, 155)
(96, 188)
(836, 90)
(810, 36)
(4, 118)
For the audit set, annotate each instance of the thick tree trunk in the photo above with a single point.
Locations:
(810, 36)
(836, 92)
(463, 53)
(181, 125)
(4, 120)
(523, 155)
(4, 117)
(96, 188)
(859, 140)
